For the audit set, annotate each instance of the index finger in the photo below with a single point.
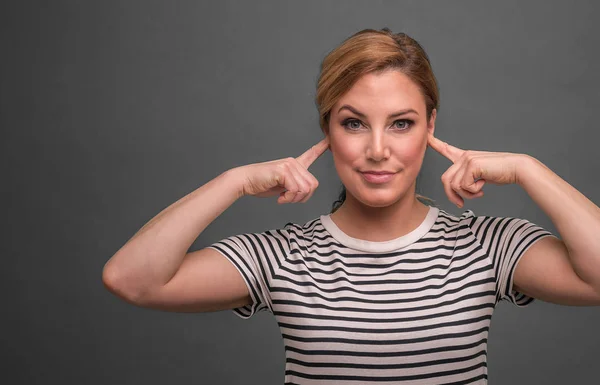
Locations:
(313, 153)
(447, 150)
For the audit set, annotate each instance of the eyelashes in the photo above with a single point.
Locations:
(353, 124)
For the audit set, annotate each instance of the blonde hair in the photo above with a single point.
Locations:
(369, 51)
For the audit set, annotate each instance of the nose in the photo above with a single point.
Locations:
(377, 148)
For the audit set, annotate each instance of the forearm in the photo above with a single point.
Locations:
(576, 218)
(155, 253)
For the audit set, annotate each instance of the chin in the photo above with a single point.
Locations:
(378, 199)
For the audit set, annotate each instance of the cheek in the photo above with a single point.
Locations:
(411, 152)
(346, 153)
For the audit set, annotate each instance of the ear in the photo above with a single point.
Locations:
(325, 122)
(431, 123)
(326, 132)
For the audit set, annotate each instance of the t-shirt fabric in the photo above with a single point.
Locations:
(413, 310)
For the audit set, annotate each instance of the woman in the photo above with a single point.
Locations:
(386, 287)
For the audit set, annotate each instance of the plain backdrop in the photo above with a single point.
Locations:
(112, 110)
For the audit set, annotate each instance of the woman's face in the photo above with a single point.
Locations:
(380, 124)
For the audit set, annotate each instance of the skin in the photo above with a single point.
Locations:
(377, 141)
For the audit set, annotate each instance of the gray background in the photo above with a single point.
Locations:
(111, 111)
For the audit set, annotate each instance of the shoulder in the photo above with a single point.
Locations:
(454, 221)
(303, 228)
(481, 226)
(474, 221)
(303, 232)
(509, 229)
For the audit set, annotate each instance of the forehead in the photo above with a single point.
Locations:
(383, 92)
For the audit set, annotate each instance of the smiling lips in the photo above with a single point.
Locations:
(378, 177)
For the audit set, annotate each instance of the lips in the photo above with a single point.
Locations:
(378, 172)
(378, 177)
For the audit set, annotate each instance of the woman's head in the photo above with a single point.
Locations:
(365, 91)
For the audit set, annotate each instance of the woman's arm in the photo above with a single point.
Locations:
(573, 263)
(563, 271)
(155, 253)
(153, 270)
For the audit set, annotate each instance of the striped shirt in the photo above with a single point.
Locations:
(412, 310)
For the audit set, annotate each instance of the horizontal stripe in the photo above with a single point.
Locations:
(383, 378)
(384, 331)
(385, 366)
(302, 305)
(376, 354)
(404, 341)
(384, 320)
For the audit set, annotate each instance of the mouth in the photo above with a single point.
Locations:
(378, 177)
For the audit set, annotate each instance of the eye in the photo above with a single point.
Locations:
(351, 124)
(404, 124)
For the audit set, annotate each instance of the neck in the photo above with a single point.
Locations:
(379, 224)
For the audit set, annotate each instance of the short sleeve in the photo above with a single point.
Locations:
(256, 257)
(506, 240)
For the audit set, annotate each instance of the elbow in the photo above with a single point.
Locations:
(119, 285)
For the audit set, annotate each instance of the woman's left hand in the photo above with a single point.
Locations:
(472, 169)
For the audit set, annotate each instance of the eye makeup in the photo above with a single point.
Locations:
(350, 124)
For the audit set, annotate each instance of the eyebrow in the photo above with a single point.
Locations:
(354, 110)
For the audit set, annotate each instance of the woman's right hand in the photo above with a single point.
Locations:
(288, 177)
